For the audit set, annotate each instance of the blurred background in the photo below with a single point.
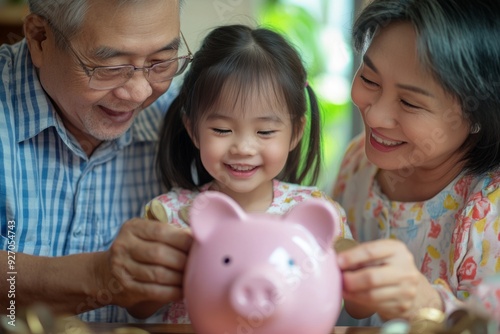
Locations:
(319, 29)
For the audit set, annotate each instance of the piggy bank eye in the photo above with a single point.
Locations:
(291, 262)
(226, 260)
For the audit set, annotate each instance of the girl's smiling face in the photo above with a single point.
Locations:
(411, 123)
(245, 139)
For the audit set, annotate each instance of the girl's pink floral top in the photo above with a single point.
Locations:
(454, 236)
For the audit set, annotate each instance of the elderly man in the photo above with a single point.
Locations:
(81, 100)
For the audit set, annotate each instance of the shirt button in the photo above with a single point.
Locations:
(77, 233)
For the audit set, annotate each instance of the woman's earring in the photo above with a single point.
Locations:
(475, 128)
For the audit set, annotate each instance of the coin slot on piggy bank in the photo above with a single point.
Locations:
(262, 273)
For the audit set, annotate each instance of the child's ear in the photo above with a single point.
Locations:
(298, 136)
(35, 31)
(187, 125)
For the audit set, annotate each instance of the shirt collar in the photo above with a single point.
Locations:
(34, 111)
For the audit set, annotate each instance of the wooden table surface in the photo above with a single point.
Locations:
(101, 328)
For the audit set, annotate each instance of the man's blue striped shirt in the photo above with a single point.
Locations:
(60, 201)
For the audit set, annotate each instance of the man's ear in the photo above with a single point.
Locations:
(298, 136)
(187, 125)
(35, 31)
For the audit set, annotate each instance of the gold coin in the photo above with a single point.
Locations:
(20, 326)
(157, 210)
(71, 325)
(148, 214)
(423, 326)
(33, 321)
(431, 314)
(343, 244)
(427, 320)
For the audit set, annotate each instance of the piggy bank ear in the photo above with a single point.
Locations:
(318, 217)
(212, 210)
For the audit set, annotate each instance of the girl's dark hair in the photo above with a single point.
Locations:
(459, 42)
(247, 57)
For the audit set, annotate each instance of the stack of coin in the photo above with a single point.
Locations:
(38, 319)
(427, 320)
(434, 321)
(463, 321)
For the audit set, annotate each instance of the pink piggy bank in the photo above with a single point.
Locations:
(262, 273)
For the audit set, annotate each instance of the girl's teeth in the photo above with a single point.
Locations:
(242, 168)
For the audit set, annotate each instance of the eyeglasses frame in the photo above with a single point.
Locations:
(89, 71)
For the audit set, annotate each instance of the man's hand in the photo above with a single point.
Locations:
(145, 263)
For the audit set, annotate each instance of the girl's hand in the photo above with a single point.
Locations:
(381, 275)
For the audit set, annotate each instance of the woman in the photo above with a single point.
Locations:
(420, 186)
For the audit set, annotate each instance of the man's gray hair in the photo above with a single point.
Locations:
(67, 16)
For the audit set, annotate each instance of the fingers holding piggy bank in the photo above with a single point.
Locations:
(262, 273)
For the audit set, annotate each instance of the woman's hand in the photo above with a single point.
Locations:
(381, 275)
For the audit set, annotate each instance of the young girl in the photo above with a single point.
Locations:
(237, 127)
(424, 177)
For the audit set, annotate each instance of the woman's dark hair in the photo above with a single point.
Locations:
(247, 57)
(459, 42)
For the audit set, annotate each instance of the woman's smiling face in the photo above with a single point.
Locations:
(410, 121)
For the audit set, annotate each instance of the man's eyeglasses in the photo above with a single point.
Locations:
(110, 77)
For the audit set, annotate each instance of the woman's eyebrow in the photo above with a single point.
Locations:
(369, 63)
(415, 89)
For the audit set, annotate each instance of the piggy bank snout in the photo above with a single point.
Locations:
(256, 293)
